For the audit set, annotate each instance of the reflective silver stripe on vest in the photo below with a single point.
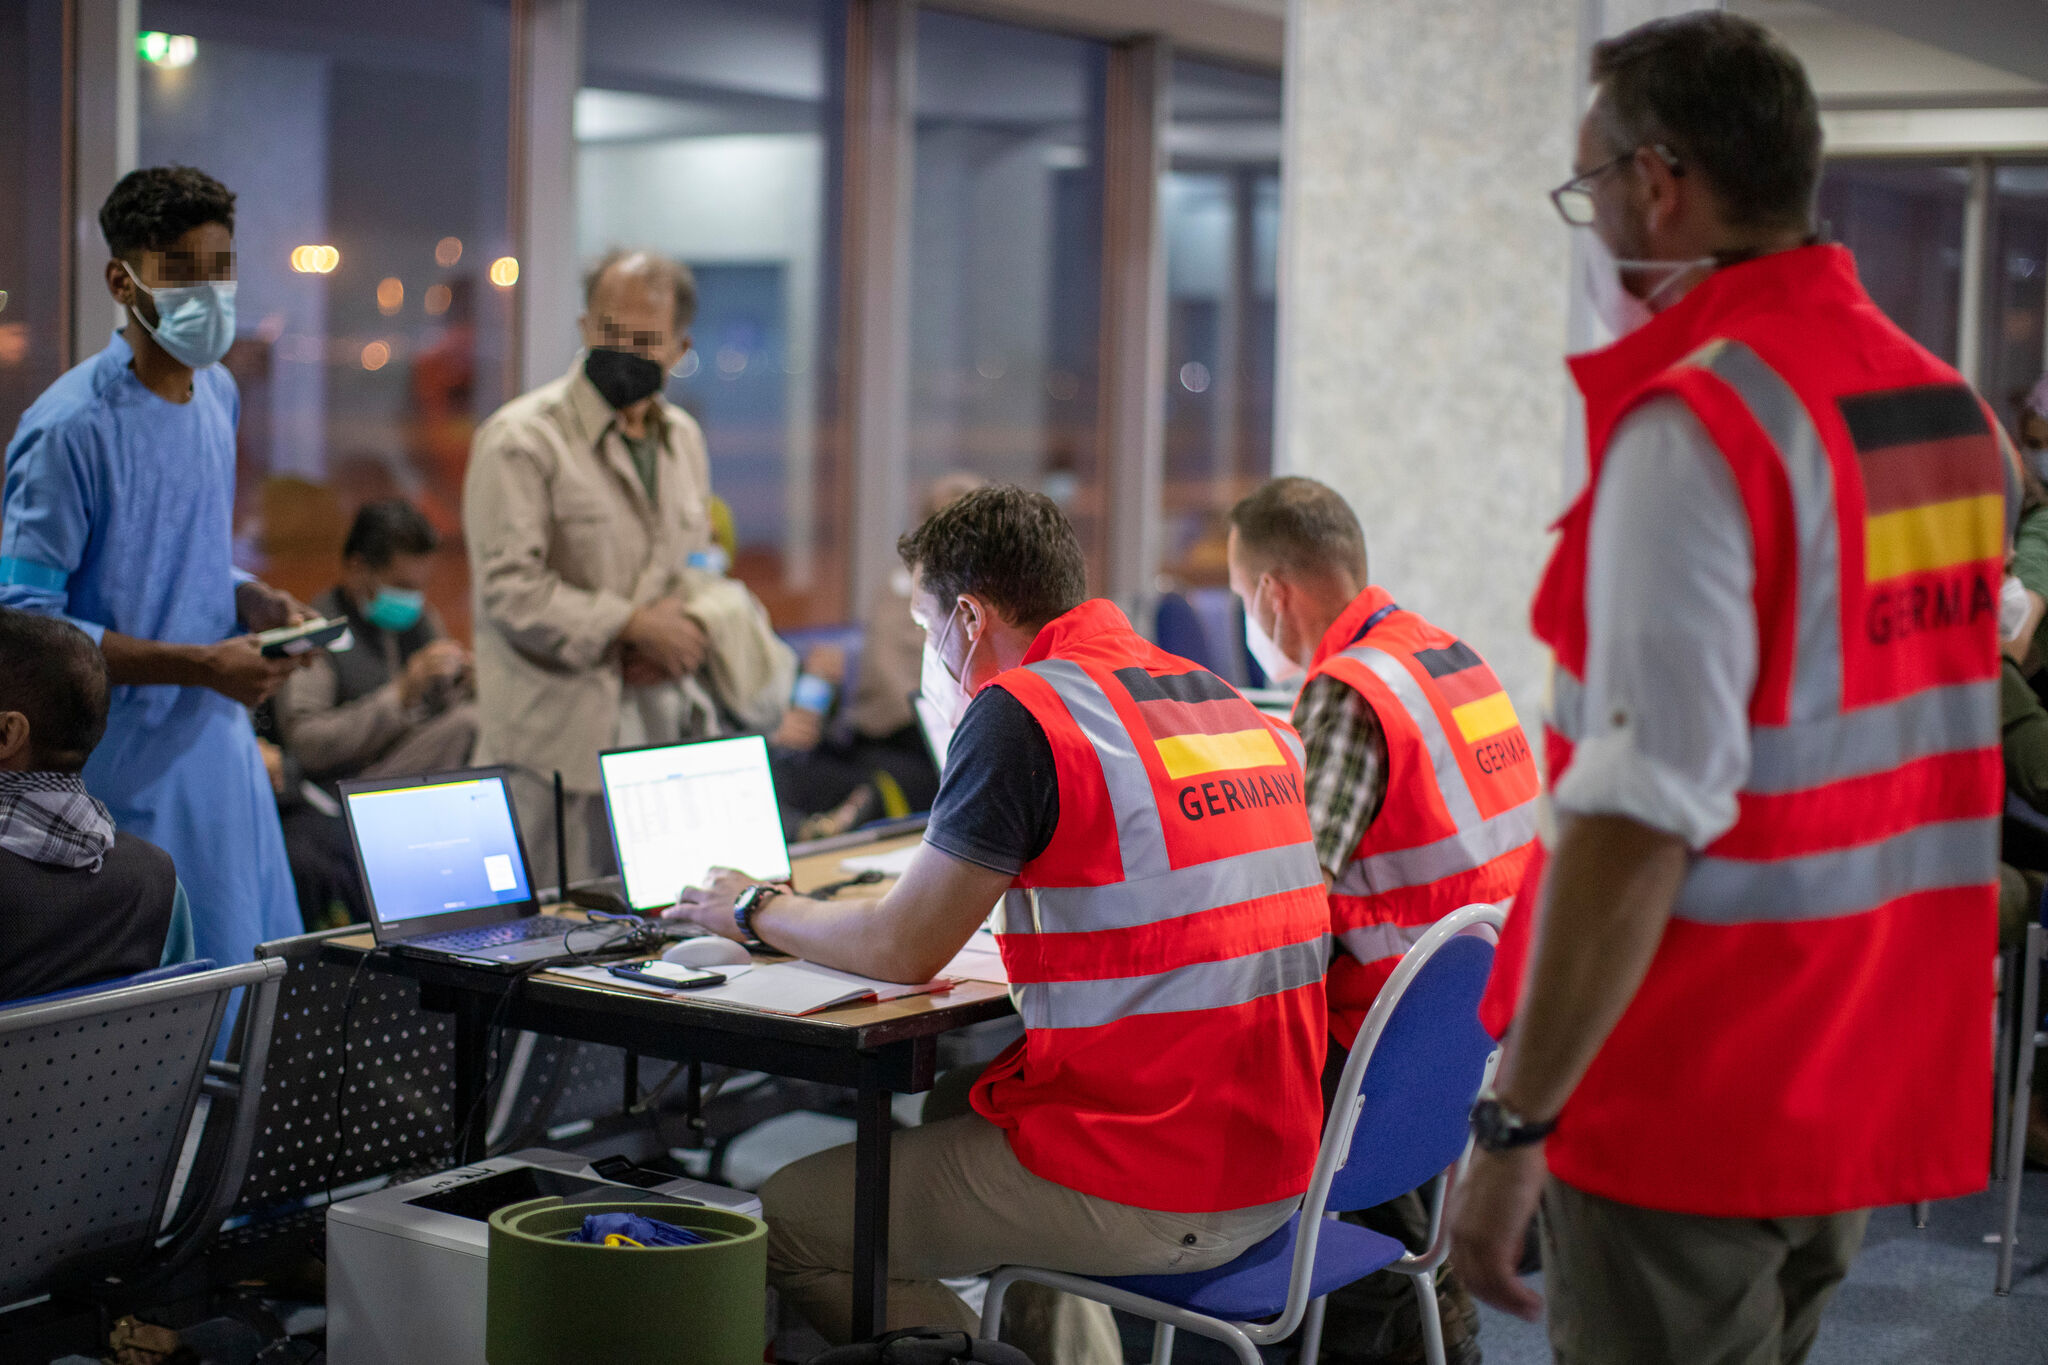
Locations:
(1817, 650)
(1014, 913)
(1198, 986)
(1848, 881)
(1460, 852)
(1141, 840)
(1183, 891)
(1941, 720)
(1374, 942)
(1450, 778)
(1287, 736)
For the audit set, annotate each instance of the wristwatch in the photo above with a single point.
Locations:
(1497, 1128)
(743, 910)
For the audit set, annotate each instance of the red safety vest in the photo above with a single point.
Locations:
(1458, 823)
(1167, 948)
(1813, 1034)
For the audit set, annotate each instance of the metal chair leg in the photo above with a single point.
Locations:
(2006, 1044)
(1162, 1343)
(1311, 1347)
(2022, 1101)
(1432, 1319)
(1920, 1215)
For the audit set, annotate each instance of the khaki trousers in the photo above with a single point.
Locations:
(1633, 1286)
(584, 820)
(961, 1204)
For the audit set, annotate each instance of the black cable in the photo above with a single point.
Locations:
(632, 935)
(490, 1079)
(348, 1010)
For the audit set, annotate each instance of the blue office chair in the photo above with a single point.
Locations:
(1178, 629)
(1398, 1121)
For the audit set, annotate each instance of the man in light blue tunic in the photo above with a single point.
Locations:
(116, 514)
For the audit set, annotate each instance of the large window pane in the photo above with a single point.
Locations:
(709, 130)
(1220, 202)
(1904, 222)
(2016, 276)
(377, 128)
(1006, 262)
(31, 212)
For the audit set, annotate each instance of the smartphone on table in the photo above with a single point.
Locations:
(672, 976)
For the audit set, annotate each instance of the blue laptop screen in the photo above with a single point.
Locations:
(438, 849)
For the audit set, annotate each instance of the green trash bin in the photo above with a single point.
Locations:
(556, 1302)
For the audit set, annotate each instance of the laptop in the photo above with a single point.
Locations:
(679, 810)
(446, 871)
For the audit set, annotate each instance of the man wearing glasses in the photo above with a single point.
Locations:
(118, 515)
(584, 504)
(1747, 994)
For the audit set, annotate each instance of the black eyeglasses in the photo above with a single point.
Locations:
(1574, 198)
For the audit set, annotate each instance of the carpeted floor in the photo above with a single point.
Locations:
(1913, 1298)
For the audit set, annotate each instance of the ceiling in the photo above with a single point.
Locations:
(1908, 52)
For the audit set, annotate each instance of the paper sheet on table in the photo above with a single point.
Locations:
(894, 863)
(779, 988)
(979, 960)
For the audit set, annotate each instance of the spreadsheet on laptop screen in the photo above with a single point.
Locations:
(437, 849)
(681, 809)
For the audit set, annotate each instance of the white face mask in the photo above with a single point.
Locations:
(946, 694)
(1620, 311)
(1280, 670)
(2013, 607)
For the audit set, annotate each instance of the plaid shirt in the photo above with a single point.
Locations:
(1345, 757)
(48, 817)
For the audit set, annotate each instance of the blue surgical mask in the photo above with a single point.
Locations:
(395, 609)
(195, 323)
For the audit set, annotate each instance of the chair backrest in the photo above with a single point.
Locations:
(1416, 1067)
(1178, 630)
(401, 1074)
(114, 983)
(102, 1088)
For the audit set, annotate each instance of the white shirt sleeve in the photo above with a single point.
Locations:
(1671, 634)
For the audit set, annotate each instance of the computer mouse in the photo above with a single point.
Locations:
(708, 951)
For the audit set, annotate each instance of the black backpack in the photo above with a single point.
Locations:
(924, 1346)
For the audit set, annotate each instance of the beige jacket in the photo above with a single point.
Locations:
(563, 545)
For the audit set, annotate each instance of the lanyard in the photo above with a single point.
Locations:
(1382, 614)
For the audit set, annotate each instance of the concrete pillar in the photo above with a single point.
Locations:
(1426, 291)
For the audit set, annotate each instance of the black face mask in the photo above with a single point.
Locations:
(622, 377)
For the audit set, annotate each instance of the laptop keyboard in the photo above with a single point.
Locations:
(497, 935)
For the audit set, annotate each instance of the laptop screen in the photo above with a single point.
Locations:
(678, 810)
(438, 848)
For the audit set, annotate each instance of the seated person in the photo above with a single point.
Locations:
(79, 900)
(1185, 959)
(399, 702)
(871, 761)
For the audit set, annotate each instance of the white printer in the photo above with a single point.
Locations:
(406, 1265)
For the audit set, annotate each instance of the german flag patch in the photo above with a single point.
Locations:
(1933, 489)
(1199, 724)
(1479, 704)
